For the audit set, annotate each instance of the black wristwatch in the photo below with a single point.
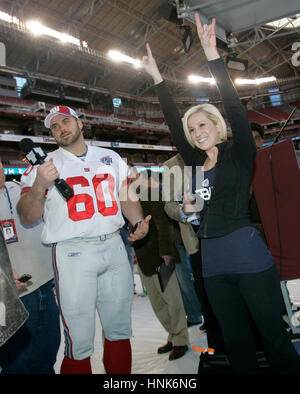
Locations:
(136, 225)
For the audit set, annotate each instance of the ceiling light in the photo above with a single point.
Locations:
(120, 57)
(257, 81)
(8, 18)
(70, 39)
(198, 79)
(37, 29)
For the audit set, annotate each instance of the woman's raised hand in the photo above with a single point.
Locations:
(207, 37)
(150, 66)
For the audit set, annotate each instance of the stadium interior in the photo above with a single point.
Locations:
(86, 54)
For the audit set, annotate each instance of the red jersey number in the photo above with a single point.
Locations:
(97, 182)
(86, 200)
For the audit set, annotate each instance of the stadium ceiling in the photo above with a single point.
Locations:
(102, 25)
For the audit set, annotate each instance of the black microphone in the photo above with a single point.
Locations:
(36, 155)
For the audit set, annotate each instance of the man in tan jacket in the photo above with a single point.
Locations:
(156, 247)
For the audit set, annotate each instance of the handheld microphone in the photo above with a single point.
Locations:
(36, 155)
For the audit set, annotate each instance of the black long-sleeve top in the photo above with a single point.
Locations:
(227, 210)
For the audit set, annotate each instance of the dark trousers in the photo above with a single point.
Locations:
(33, 349)
(213, 330)
(233, 297)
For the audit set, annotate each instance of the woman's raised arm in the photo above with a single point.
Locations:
(150, 66)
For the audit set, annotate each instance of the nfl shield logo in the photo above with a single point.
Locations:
(106, 160)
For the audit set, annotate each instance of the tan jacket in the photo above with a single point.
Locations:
(189, 238)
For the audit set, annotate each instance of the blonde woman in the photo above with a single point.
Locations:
(239, 273)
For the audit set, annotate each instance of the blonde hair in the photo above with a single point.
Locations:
(212, 113)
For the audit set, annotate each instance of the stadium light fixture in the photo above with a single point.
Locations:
(120, 57)
(199, 79)
(37, 29)
(257, 81)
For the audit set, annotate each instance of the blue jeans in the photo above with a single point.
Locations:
(190, 299)
(33, 349)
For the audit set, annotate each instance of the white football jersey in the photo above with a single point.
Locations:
(95, 207)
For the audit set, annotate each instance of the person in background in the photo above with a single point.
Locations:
(156, 247)
(185, 277)
(258, 134)
(239, 273)
(33, 349)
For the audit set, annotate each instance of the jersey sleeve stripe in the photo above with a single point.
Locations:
(25, 190)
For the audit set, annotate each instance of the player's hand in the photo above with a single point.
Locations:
(46, 174)
(141, 231)
(207, 37)
(20, 286)
(150, 66)
(189, 206)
